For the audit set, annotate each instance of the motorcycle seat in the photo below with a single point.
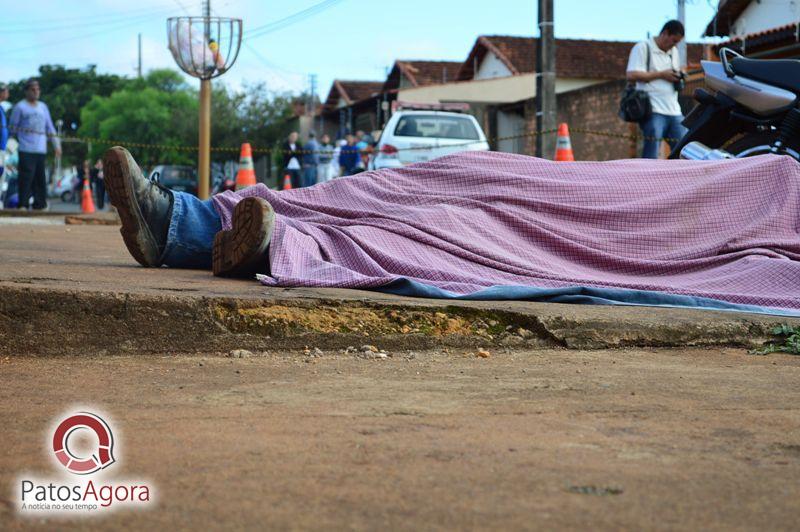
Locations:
(783, 73)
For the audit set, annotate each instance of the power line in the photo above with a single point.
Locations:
(280, 24)
(111, 20)
(106, 29)
(271, 66)
(36, 23)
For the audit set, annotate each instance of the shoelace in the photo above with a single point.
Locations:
(155, 179)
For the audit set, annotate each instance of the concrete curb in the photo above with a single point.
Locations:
(48, 321)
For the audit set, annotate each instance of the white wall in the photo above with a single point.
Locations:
(764, 15)
(491, 67)
(497, 90)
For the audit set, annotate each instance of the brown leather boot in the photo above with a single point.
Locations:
(243, 251)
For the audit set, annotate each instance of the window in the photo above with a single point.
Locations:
(436, 126)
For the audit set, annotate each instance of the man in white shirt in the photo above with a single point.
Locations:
(291, 159)
(659, 78)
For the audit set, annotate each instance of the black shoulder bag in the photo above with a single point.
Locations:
(634, 106)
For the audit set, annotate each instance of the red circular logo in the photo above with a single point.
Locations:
(102, 457)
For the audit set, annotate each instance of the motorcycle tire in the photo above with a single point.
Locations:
(758, 144)
(66, 197)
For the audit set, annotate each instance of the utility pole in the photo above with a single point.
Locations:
(204, 156)
(682, 44)
(546, 83)
(311, 105)
(139, 67)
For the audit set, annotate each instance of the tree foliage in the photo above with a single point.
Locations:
(252, 115)
(66, 91)
(159, 110)
(156, 119)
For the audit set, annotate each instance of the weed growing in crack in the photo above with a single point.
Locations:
(788, 341)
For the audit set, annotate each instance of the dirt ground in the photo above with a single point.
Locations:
(550, 439)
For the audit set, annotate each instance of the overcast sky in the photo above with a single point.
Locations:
(349, 39)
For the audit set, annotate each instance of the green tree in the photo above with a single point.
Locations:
(252, 115)
(148, 116)
(66, 91)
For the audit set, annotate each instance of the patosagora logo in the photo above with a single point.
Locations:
(104, 456)
(83, 445)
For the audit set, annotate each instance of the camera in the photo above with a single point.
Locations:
(681, 83)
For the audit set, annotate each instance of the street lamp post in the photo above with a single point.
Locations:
(204, 47)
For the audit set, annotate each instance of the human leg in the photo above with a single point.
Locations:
(39, 182)
(653, 131)
(190, 238)
(242, 251)
(176, 229)
(27, 166)
(100, 193)
(675, 130)
(309, 176)
(294, 175)
(323, 173)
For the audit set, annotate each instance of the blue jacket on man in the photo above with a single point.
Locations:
(349, 157)
(311, 152)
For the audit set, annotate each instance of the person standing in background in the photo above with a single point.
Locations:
(655, 66)
(98, 184)
(31, 124)
(291, 159)
(310, 160)
(3, 126)
(325, 156)
(349, 158)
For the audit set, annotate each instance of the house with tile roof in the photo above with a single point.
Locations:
(498, 82)
(418, 73)
(758, 28)
(348, 92)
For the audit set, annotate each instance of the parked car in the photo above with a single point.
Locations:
(413, 136)
(180, 178)
(65, 187)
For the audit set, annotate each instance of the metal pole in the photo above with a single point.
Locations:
(204, 158)
(204, 155)
(139, 67)
(545, 83)
(682, 44)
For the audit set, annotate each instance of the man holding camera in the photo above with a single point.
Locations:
(655, 66)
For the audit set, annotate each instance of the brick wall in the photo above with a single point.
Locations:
(593, 108)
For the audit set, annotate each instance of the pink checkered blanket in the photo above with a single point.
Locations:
(727, 230)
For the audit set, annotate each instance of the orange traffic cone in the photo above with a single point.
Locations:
(246, 176)
(287, 182)
(87, 203)
(563, 145)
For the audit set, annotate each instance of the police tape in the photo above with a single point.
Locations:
(269, 151)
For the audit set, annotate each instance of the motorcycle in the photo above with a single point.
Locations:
(753, 111)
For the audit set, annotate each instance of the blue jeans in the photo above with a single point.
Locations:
(190, 238)
(309, 176)
(659, 127)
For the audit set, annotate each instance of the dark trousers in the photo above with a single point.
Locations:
(32, 180)
(100, 193)
(295, 177)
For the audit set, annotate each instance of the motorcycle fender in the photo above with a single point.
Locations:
(709, 123)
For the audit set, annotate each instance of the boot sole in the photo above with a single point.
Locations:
(241, 251)
(137, 236)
